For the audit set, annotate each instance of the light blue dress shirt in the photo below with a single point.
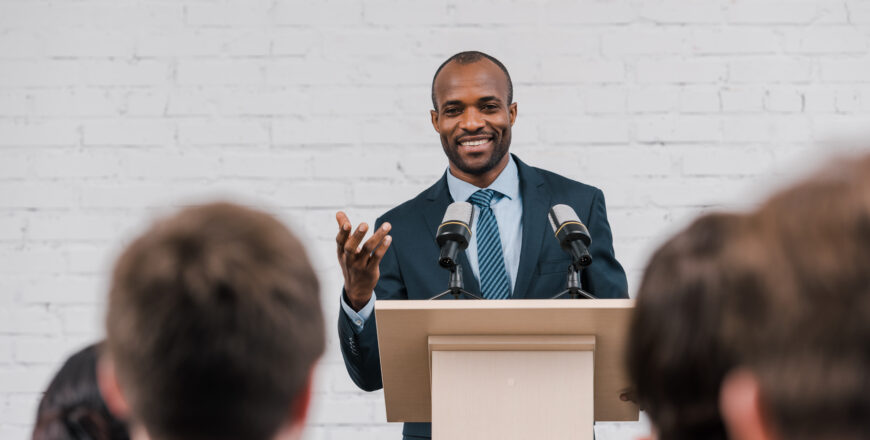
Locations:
(508, 211)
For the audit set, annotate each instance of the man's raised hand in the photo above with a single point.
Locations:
(359, 263)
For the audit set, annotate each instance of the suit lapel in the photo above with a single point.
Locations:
(536, 201)
(439, 198)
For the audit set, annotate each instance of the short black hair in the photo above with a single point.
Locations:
(72, 407)
(469, 57)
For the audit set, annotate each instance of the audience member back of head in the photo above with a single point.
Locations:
(72, 408)
(758, 324)
(214, 324)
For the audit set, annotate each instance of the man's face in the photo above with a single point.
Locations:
(474, 118)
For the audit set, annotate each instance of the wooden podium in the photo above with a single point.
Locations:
(505, 369)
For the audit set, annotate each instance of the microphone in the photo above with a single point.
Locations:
(454, 232)
(572, 234)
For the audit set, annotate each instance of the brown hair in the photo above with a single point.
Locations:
(815, 369)
(214, 323)
(784, 291)
(676, 354)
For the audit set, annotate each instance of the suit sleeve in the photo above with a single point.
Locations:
(360, 350)
(605, 277)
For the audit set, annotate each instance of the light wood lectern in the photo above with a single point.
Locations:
(505, 369)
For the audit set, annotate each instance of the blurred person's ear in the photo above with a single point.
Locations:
(292, 429)
(110, 389)
(742, 411)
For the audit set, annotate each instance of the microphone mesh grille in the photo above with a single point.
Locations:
(560, 214)
(458, 212)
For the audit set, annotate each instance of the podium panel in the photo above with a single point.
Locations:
(536, 387)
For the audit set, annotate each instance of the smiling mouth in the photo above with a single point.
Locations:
(475, 142)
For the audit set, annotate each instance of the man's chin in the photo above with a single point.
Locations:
(475, 169)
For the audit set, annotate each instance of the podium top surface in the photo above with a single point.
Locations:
(404, 327)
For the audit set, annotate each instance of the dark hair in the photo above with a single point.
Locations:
(783, 291)
(214, 324)
(72, 408)
(470, 57)
(813, 372)
(676, 354)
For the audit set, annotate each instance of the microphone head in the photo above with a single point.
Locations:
(567, 225)
(458, 212)
(456, 224)
(453, 234)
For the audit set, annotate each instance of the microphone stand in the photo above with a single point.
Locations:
(456, 286)
(574, 284)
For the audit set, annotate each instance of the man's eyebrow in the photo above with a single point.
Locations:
(489, 99)
(452, 102)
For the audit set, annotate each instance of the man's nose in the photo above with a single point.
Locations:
(471, 120)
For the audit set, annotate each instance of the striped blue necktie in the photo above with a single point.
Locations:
(494, 280)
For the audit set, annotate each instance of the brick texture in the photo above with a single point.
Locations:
(114, 112)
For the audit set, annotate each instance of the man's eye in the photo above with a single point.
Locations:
(490, 107)
(451, 111)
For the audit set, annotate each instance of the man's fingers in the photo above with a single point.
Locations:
(379, 252)
(376, 238)
(351, 246)
(343, 228)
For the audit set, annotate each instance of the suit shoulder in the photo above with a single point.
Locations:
(563, 184)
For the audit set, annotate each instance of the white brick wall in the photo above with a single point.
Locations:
(112, 112)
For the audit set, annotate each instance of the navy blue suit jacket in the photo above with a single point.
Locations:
(410, 267)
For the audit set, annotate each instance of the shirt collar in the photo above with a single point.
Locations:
(507, 183)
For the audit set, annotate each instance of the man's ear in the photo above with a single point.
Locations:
(110, 389)
(740, 403)
(512, 109)
(434, 115)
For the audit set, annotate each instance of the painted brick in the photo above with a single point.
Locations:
(826, 40)
(572, 70)
(220, 72)
(114, 113)
(664, 70)
(770, 70)
(223, 132)
(653, 99)
(317, 12)
(785, 12)
(145, 132)
(37, 195)
(37, 132)
(682, 129)
(742, 99)
(588, 12)
(845, 70)
(588, 130)
(735, 40)
(250, 13)
(784, 100)
(673, 11)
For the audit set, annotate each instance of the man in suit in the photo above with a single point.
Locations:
(511, 253)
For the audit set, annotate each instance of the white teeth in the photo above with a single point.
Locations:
(474, 143)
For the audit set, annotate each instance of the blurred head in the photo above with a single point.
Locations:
(760, 322)
(810, 380)
(214, 325)
(72, 408)
(680, 346)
